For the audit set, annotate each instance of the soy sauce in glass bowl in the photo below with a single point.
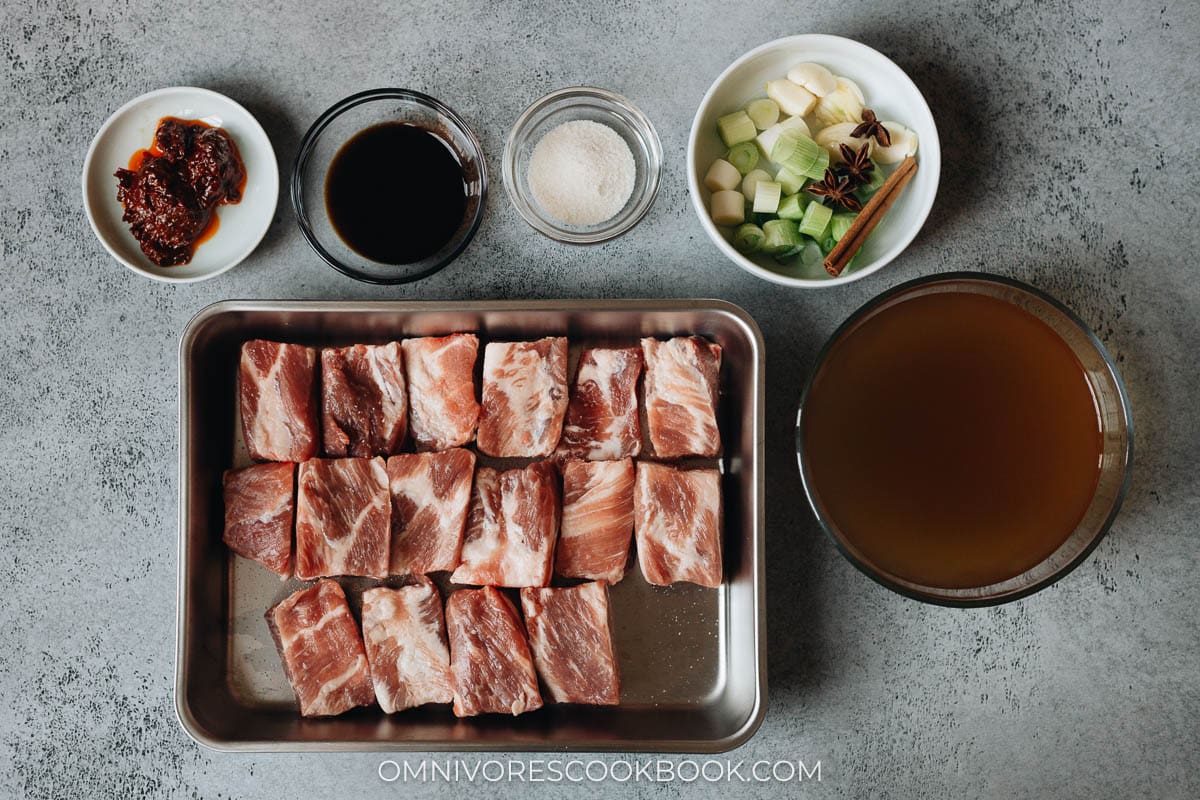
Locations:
(389, 186)
(395, 193)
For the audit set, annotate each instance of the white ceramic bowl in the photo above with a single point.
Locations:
(889, 92)
(131, 128)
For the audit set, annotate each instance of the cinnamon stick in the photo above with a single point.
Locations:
(869, 217)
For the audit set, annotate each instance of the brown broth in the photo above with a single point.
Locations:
(952, 439)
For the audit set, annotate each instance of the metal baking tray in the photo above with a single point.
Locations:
(692, 661)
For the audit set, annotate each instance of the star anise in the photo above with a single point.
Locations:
(872, 127)
(837, 190)
(857, 166)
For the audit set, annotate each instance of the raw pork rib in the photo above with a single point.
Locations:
(277, 395)
(597, 520)
(430, 496)
(259, 507)
(342, 518)
(602, 417)
(511, 527)
(489, 655)
(682, 378)
(442, 408)
(406, 646)
(364, 405)
(321, 650)
(524, 397)
(677, 521)
(572, 648)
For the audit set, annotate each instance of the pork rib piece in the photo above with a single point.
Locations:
(364, 403)
(511, 527)
(342, 518)
(405, 638)
(277, 396)
(321, 650)
(682, 381)
(602, 416)
(572, 648)
(677, 522)
(431, 493)
(489, 655)
(597, 520)
(442, 410)
(260, 504)
(524, 397)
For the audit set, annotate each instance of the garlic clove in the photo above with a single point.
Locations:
(839, 134)
(815, 78)
(792, 99)
(852, 87)
(904, 143)
(843, 104)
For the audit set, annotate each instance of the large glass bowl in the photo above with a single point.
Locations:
(341, 122)
(1116, 425)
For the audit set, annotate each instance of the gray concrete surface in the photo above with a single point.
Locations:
(1070, 148)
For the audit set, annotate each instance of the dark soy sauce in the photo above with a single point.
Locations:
(395, 193)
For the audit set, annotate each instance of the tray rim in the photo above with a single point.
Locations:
(197, 733)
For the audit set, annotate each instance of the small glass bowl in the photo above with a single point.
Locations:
(1116, 424)
(333, 129)
(597, 105)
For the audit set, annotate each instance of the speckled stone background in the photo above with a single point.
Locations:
(1070, 148)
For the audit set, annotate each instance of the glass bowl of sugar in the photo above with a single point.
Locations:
(582, 165)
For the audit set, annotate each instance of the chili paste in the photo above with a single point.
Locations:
(172, 189)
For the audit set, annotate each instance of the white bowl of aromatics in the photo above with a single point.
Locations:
(885, 89)
(582, 165)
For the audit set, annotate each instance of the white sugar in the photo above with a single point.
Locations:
(582, 173)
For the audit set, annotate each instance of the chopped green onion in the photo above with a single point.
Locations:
(789, 254)
(811, 254)
(791, 207)
(744, 156)
(795, 151)
(840, 224)
(779, 236)
(816, 220)
(728, 207)
(766, 140)
(747, 238)
(817, 170)
(869, 188)
(752, 180)
(766, 197)
(763, 112)
(736, 127)
(800, 154)
(722, 175)
(791, 182)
